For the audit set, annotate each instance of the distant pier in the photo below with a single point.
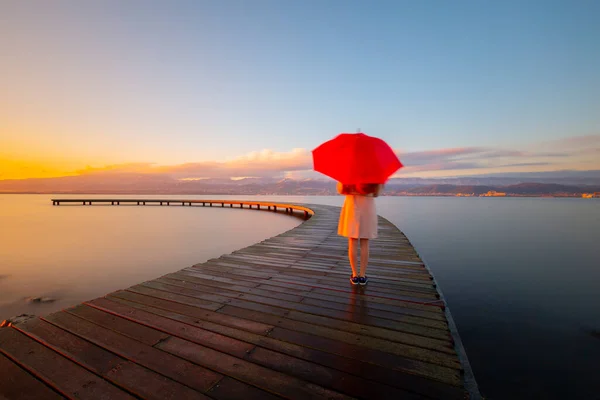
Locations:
(278, 319)
(288, 208)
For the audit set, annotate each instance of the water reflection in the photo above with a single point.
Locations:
(74, 253)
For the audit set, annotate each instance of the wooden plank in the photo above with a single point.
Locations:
(280, 307)
(381, 311)
(222, 319)
(196, 377)
(315, 259)
(204, 337)
(427, 304)
(245, 371)
(326, 377)
(123, 373)
(426, 291)
(355, 367)
(421, 310)
(417, 361)
(56, 371)
(17, 384)
(231, 389)
(174, 279)
(159, 324)
(217, 279)
(72, 347)
(352, 302)
(135, 331)
(222, 389)
(312, 372)
(328, 277)
(360, 304)
(207, 301)
(321, 311)
(333, 292)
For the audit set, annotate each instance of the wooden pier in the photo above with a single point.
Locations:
(278, 319)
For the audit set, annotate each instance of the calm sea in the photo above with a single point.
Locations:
(521, 275)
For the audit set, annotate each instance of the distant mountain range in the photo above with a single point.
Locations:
(557, 183)
(520, 189)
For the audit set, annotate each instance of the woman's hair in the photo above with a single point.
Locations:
(368, 188)
(346, 189)
(365, 189)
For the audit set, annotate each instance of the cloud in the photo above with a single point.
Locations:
(433, 156)
(265, 163)
(442, 166)
(575, 142)
(525, 164)
(116, 169)
(578, 152)
(459, 156)
(481, 158)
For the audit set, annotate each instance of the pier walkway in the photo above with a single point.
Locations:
(278, 319)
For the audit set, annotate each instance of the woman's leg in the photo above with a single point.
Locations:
(352, 247)
(364, 256)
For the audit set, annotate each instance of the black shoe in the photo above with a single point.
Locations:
(363, 280)
(354, 280)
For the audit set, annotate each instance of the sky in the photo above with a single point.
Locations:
(202, 89)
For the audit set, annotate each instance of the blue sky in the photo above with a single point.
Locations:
(113, 82)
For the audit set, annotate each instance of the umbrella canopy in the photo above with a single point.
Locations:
(353, 158)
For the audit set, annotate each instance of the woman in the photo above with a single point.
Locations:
(358, 222)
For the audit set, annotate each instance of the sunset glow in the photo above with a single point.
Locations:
(200, 90)
(579, 153)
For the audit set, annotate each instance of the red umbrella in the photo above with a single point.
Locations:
(353, 158)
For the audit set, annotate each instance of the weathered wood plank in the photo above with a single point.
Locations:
(359, 299)
(234, 290)
(324, 316)
(327, 276)
(397, 348)
(326, 377)
(245, 349)
(192, 375)
(354, 303)
(179, 370)
(222, 319)
(117, 370)
(329, 339)
(17, 384)
(355, 367)
(431, 311)
(56, 371)
(231, 389)
(245, 371)
(253, 300)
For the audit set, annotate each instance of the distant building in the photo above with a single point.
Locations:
(591, 195)
(493, 193)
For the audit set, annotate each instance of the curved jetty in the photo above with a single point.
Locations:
(277, 319)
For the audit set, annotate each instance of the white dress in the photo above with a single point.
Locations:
(358, 218)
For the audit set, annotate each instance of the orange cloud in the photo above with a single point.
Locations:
(255, 164)
(117, 169)
(576, 153)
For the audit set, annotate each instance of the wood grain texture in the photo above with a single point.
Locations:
(17, 384)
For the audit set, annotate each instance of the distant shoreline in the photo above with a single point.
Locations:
(548, 195)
